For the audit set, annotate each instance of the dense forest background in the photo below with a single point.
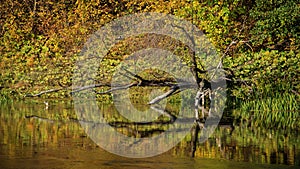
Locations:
(40, 42)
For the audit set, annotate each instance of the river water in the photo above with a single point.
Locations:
(35, 136)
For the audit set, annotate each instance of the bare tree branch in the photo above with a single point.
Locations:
(194, 68)
(165, 95)
(133, 75)
(221, 59)
(44, 92)
(88, 87)
(119, 88)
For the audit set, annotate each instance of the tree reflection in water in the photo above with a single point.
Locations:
(57, 127)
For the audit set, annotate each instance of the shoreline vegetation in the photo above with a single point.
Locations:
(40, 43)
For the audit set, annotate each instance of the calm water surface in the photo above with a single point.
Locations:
(34, 137)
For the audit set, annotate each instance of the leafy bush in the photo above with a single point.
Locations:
(40, 41)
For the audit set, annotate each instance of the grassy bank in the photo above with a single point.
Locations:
(276, 111)
(275, 103)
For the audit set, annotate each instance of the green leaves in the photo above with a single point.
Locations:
(38, 46)
(276, 23)
(264, 71)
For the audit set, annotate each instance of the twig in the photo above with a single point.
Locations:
(221, 59)
(295, 92)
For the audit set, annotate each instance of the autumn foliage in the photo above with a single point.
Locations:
(40, 40)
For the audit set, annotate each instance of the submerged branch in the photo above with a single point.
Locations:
(164, 112)
(118, 88)
(43, 92)
(87, 87)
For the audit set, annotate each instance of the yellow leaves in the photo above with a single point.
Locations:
(267, 53)
(30, 61)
